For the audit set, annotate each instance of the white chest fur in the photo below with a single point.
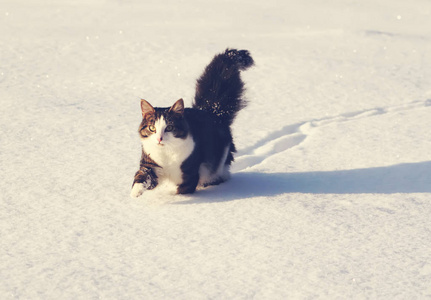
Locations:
(169, 154)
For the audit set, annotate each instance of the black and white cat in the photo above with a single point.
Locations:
(194, 146)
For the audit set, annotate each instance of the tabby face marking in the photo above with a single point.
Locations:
(161, 125)
(159, 131)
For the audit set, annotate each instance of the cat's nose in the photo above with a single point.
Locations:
(160, 139)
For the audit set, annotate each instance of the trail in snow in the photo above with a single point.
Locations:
(293, 135)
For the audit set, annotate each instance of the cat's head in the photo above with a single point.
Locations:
(161, 125)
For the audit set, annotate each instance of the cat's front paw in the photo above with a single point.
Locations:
(137, 190)
(139, 187)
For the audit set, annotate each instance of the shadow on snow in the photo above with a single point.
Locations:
(401, 178)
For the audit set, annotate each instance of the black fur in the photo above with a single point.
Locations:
(219, 90)
(218, 98)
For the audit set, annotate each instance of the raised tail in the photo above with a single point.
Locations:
(219, 89)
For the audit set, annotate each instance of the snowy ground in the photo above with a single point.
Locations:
(331, 195)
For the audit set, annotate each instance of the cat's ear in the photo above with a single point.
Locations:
(178, 107)
(146, 108)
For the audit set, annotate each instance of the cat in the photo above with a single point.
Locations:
(194, 146)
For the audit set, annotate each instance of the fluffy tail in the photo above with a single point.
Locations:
(219, 89)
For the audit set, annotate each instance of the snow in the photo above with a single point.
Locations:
(330, 192)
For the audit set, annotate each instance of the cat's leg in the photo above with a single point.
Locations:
(221, 174)
(190, 182)
(145, 179)
(190, 176)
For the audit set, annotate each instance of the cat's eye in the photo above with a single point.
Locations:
(152, 128)
(169, 128)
